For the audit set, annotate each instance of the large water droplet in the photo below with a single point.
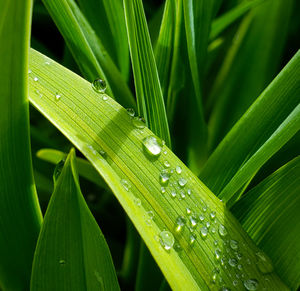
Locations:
(180, 222)
(264, 264)
(99, 85)
(166, 240)
(251, 284)
(164, 177)
(125, 184)
(204, 231)
(152, 145)
(222, 230)
(138, 122)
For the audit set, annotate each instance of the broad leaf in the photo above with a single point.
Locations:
(270, 214)
(182, 223)
(71, 252)
(20, 215)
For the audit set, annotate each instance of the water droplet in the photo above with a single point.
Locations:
(182, 182)
(125, 184)
(193, 221)
(29, 71)
(251, 284)
(213, 230)
(263, 263)
(201, 217)
(164, 177)
(104, 98)
(232, 262)
(204, 231)
(173, 194)
(62, 262)
(189, 191)
(150, 214)
(204, 208)
(212, 215)
(130, 112)
(182, 194)
(138, 122)
(239, 256)
(180, 222)
(47, 63)
(207, 224)
(57, 96)
(166, 240)
(166, 164)
(99, 85)
(222, 230)
(240, 267)
(234, 244)
(218, 253)
(137, 201)
(152, 145)
(178, 170)
(38, 93)
(193, 238)
(35, 79)
(163, 190)
(235, 283)
(188, 210)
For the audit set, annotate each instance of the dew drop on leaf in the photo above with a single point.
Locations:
(180, 222)
(251, 284)
(130, 112)
(35, 79)
(182, 182)
(234, 244)
(164, 177)
(178, 170)
(125, 184)
(222, 230)
(152, 145)
(192, 239)
(99, 85)
(204, 231)
(57, 96)
(138, 122)
(166, 239)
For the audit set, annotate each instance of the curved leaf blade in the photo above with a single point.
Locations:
(71, 252)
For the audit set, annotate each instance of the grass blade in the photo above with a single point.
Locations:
(20, 215)
(270, 214)
(71, 252)
(94, 123)
(148, 90)
(270, 122)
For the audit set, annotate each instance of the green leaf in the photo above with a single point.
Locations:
(108, 21)
(228, 18)
(148, 90)
(270, 122)
(71, 252)
(20, 215)
(87, 49)
(249, 66)
(85, 169)
(270, 215)
(94, 122)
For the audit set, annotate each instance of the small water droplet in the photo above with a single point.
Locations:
(130, 112)
(99, 85)
(213, 230)
(38, 93)
(163, 190)
(193, 238)
(188, 210)
(177, 247)
(251, 284)
(182, 182)
(138, 122)
(150, 214)
(222, 230)
(29, 71)
(166, 164)
(125, 184)
(182, 194)
(152, 145)
(180, 223)
(193, 221)
(212, 215)
(208, 224)
(235, 283)
(218, 253)
(57, 96)
(234, 244)
(189, 191)
(232, 262)
(47, 63)
(166, 240)
(137, 201)
(204, 231)
(263, 263)
(164, 177)
(239, 256)
(201, 217)
(173, 194)
(240, 267)
(104, 98)
(178, 170)
(62, 262)
(35, 79)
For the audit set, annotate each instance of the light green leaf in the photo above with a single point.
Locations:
(135, 169)
(148, 90)
(71, 252)
(108, 21)
(20, 215)
(85, 169)
(270, 215)
(270, 122)
(87, 49)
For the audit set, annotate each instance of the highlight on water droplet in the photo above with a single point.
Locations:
(212, 215)
(104, 98)
(204, 231)
(166, 239)
(130, 112)
(192, 239)
(218, 253)
(164, 177)
(193, 221)
(138, 122)
(125, 184)
(163, 190)
(99, 85)
(35, 79)
(57, 96)
(178, 169)
(264, 263)
(173, 194)
(182, 182)
(251, 284)
(180, 223)
(166, 164)
(152, 145)
(222, 230)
